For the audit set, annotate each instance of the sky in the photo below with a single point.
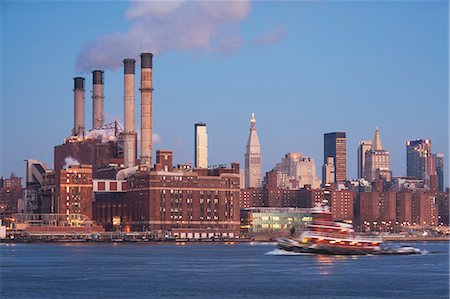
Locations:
(304, 68)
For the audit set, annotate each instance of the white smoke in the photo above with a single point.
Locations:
(159, 26)
(69, 161)
(156, 138)
(103, 135)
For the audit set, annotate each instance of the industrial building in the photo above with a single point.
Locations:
(97, 173)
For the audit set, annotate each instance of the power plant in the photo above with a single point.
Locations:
(137, 194)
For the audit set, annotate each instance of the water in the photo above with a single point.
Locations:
(215, 271)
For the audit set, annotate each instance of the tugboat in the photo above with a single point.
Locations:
(325, 236)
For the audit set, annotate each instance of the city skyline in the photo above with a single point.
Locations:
(190, 86)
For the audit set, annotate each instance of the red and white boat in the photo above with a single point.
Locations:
(325, 236)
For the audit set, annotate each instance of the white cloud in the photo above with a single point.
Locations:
(158, 27)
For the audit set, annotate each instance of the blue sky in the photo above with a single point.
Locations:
(304, 69)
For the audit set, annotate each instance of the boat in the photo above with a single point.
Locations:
(325, 236)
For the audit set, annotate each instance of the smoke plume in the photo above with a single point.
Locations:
(69, 161)
(159, 26)
(103, 135)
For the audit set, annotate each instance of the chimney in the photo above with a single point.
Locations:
(146, 108)
(128, 100)
(78, 93)
(97, 99)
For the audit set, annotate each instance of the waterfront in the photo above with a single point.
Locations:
(215, 271)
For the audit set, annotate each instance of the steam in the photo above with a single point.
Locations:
(156, 138)
(158, 26)
(104, 135)
(69, 161)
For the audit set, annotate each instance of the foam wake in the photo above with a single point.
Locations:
(278, 251)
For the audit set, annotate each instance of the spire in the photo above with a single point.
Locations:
(253, 120)
(376, 143)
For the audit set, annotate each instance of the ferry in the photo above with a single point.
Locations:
(325, 236)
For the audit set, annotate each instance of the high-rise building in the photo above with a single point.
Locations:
(299, 169)
(377, 164)
(74, 190)
(253, 159)
(420, 162)
(363, 147)
(328, 172)
(201, 146)
(334, 145)
(439, 158)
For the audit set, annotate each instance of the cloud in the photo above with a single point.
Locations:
(157, 27)
(270, 37)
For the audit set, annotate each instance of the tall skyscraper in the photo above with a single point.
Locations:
(420, 162)
(334, 145)
(363, 147)
(439, 158)
(253, 160)
(377, 164)
(201, 146)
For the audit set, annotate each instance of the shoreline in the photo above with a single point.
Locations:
(187, 241)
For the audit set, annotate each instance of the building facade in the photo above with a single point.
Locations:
(363, 147)
(253, 158)
(420, 162)
(198, 201)
(201, 146)
(439, 158)
(74, 190)
(328, 170)
(377, 163)
(299, 169)
(334, 145)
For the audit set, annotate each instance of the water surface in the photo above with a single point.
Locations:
(215, 271)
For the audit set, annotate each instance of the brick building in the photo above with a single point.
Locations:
(74, 190)
(10, 193)
(187, 202)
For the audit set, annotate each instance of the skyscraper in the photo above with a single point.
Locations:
(201, 146)
(439, 158)
(334, 145)
(300, 169)
(377, 164)
(363, 147)
(420, 162)
(328, 172)
(253, 161)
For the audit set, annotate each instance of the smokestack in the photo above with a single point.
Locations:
(146, 108)
(97, 99)
(78, 93)
(128, 99)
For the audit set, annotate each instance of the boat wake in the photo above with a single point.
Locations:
(278, 251)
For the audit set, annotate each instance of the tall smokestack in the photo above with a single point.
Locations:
(146, 108)
(97, 99)
(78, 119)
(128, 99)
